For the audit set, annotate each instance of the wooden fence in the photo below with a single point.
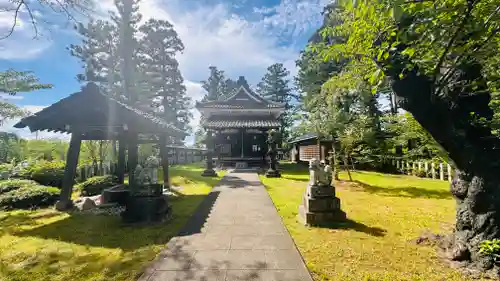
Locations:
(425, 169)
(176, 155)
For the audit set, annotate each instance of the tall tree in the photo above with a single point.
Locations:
(97, 54)
(275, 87)
(158, 47)
(441, 58)
(217, 86)
(127, 21)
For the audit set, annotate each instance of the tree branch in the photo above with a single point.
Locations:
(452, 40)
(33, 23)
(16, 14)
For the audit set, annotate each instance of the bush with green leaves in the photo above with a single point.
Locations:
(95, 185)
(47, 173)
(6, 167)
(13, 184)
(29, 197)
(490, 248)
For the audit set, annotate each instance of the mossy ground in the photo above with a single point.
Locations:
(386, 214)
(48, 245)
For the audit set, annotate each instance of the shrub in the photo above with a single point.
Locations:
(95, 185)
(29, 197)
(490, 248)
(13, 184)
(47, 173)
(6, 167)
(421, 174)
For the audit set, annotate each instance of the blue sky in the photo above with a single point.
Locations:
(242, 37)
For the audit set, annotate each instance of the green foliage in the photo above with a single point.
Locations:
(47, 173)
(275, 87)
(29, 197)
(217, 86)
(13, 184)
(162, 77)
(13, 82)
(405, 130)
(6, 167)
(491, 248)
(95, 185)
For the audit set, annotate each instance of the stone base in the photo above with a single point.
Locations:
(320, 204)
(209, 173)
(146, 209)
(273, 174)
(321, 191)
(320, 218)
(64, 205)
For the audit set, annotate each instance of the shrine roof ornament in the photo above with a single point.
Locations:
(243, 98)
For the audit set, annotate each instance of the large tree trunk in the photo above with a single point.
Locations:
(451, 120)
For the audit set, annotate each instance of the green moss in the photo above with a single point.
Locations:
(46, 245)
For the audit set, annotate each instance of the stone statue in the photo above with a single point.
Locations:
(149, 174)
(320, 174)
(320, 204)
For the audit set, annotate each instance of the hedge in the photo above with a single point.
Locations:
(95, 185)
(44, 172)
(13, 184)
(29, 197)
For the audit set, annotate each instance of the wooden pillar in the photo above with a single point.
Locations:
(75, 143)
(133, 158)
(242, 133)
(164, 160)
(121, 160)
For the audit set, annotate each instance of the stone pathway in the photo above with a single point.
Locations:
(236, 234)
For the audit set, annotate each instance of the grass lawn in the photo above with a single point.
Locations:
(385, 212)
(48, 245)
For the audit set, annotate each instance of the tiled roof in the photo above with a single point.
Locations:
(50, 117)
(234, 106)
(242, 123)
(307, 136)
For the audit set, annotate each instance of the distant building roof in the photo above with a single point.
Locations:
(308, 136)
(243, 98)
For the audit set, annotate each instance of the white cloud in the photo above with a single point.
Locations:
(291, 18)
(21, 44)
(25, 133)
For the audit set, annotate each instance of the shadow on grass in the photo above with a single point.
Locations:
(404, 191)
(349, 224)
(197, 220)
(110, 232)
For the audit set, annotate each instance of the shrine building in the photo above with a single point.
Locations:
(239, 125)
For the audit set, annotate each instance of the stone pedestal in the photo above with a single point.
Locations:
(273, 173)
(209, 173)
(320, 206)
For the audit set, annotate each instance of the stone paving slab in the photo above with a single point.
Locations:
(236, 234)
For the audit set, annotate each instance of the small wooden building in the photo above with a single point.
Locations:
(92, 115)
(240, 125)
(309, 146)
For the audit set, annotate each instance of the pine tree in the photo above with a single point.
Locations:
(97, 53)
(274, 87)
(217, 85)
(126, 21)
(164, 82)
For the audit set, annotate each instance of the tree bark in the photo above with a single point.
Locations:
(452, 121)
(346, 165)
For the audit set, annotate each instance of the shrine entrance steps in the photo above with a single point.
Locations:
(236, 234)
